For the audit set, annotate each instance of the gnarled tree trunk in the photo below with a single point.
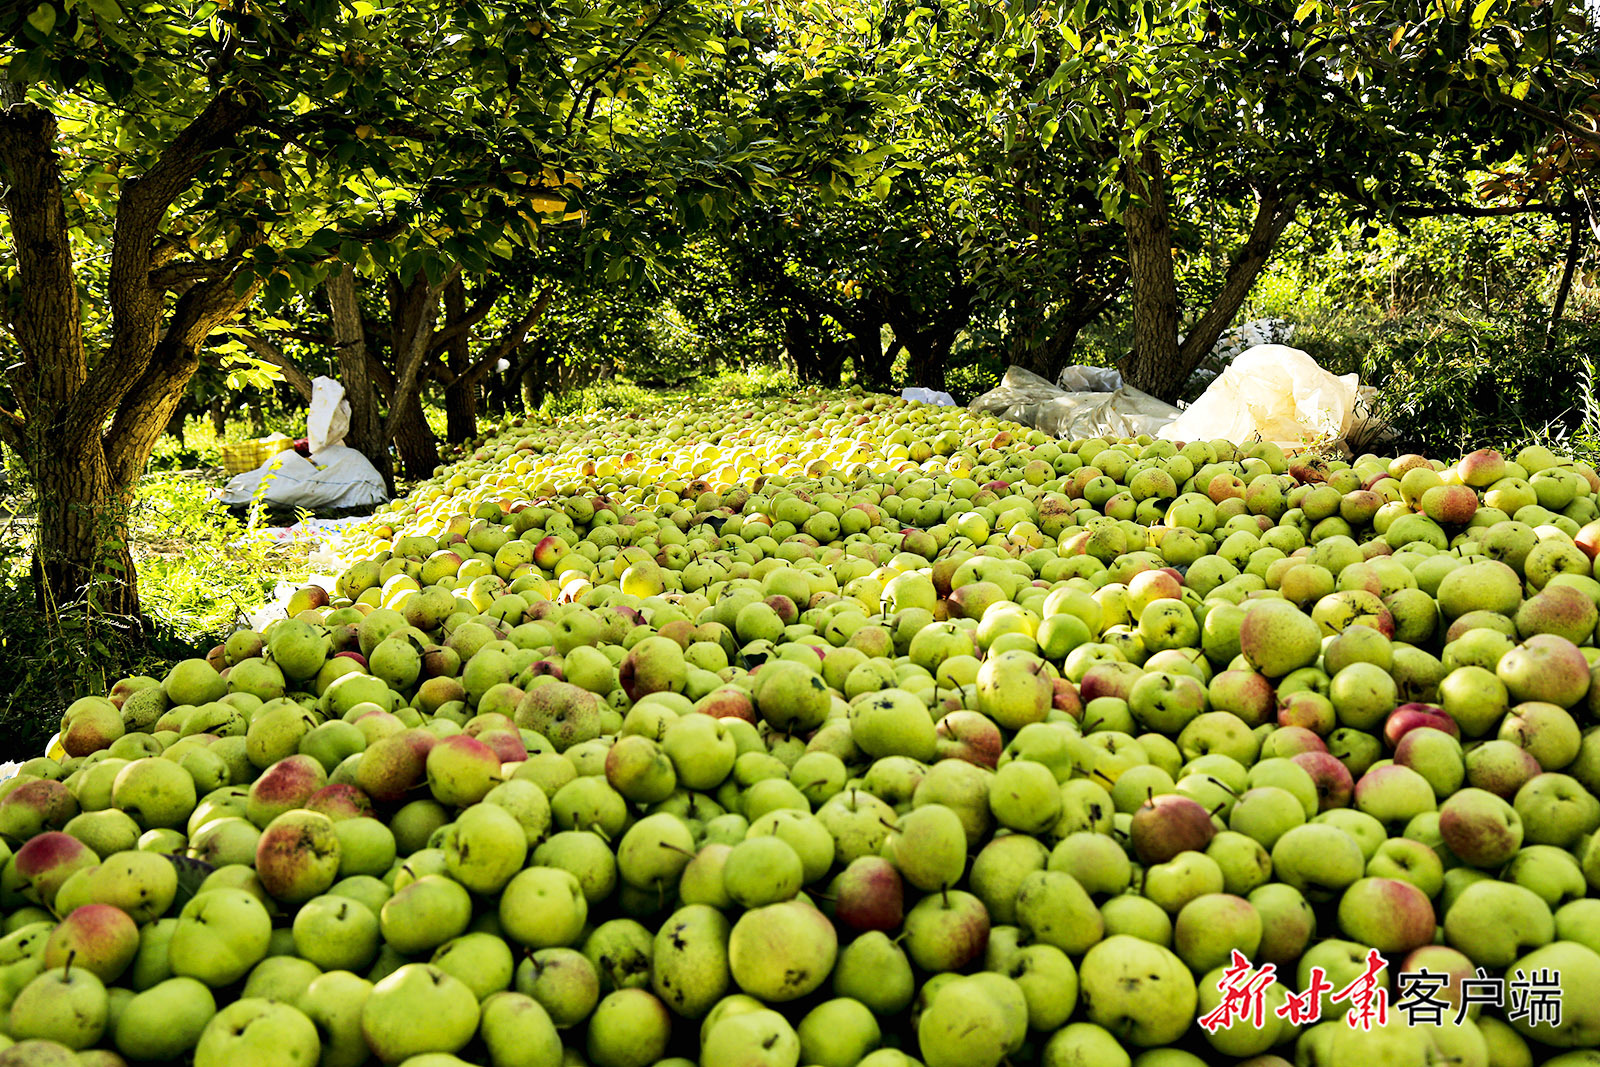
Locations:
(414, 439)
(461, 392)
(85, 426)
(1158, 364)
(1155, 364)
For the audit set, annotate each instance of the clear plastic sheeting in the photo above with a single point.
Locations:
(1280, 394)
(1025, 397)
(928, 396)
(1082, 378)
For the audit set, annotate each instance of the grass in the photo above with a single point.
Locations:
(199, 570)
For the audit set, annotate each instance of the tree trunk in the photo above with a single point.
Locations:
(1154, 364)
(1158, 364)
(1559, 306)
(461, 410)
(536, 375)
(81, 558)
(179, 416)
(1027, 345)
(799, 343)
(1273, 215)
(413, 314)
(414, 439)
(350, 342)
(87, 437)
(875, 370)
(928, 351)
(461, 394)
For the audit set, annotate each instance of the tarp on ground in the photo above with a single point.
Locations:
(336, 479)
(1267, 393)
(1023, 396)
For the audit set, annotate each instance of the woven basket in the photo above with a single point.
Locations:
(241, 456)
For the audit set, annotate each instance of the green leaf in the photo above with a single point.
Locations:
(1307, 7)
(43, 19)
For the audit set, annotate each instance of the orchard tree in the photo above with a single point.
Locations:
(205, 155)
(210, 156)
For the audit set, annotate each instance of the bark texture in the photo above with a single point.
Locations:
(85, 422)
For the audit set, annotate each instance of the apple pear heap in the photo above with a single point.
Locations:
(838, 730)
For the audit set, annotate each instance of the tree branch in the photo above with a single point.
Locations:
(1471, 211)
(512, 338)
(588, 86)
(1273, 214)
(475, 314)
(141, 208)
(176, 275)
(147, 403)
(415, 350)
(1561, 123)
(311, 337)
(271, 353)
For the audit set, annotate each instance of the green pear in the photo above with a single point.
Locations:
(562, 981)
(418, 1009)
(1053, 909)
(690, 964)
(753, 1038)
(1049, 985)
(838, 1033)
(963, 1027)
(337, 933)
(543, 907)
(67, 1005)
(782, 951)
(519, 1032)
(621, 951)
(333, 1003)
(258, 1032)
(425, 914)
(1141, 992)
(481, 960)
(874, 970)
(280, 977)
(762, 870)
(220, 935)
(629, 1028)
(928, 847)
(484, 847)
(165, 1021)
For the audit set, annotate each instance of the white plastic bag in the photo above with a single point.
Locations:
(329, 418)
(1081, 378)
(1271, 393)
(927, 396)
